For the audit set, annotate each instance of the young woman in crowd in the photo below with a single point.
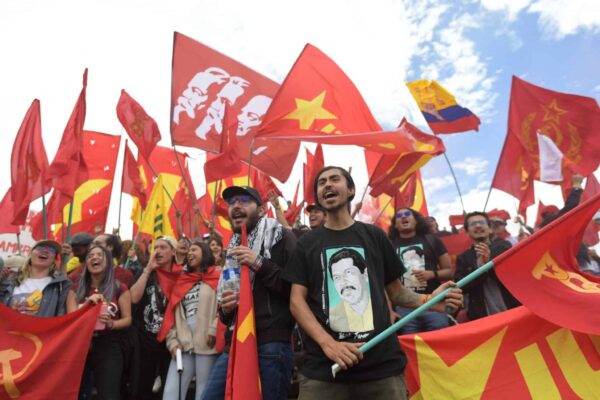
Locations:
(216, 248)
(183, 246)
(39, 287)
(194, 305)
(105, 359)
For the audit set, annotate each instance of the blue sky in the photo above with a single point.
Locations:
(472, 47)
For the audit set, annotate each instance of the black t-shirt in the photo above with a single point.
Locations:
(150, 311)
(346, 272)
(418, 253)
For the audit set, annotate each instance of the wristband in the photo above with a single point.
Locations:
(257, 263)
(425, 298)
(435, 274)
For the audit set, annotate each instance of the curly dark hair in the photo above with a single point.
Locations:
(422, 227)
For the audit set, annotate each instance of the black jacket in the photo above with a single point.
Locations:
(467, 263)
(274, 322)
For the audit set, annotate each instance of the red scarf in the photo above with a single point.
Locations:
(177, 286)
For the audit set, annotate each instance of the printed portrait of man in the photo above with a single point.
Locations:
(350, 308)
(413, 258)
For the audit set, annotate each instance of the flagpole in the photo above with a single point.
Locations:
(462, 204)
(44, 217)
(250, 160)
(383, 209)
(19, 243)
(214, 207)
(335, 368)
(69, 222)
(119, 215)
(164, 187)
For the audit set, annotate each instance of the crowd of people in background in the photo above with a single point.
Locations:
(320, 290)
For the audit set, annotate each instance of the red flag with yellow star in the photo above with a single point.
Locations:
(140, 127)
(92, 198)
(568, 123)
(542, 272)
(317, 102)
(392, 171)
(243, 378)
(513, 353)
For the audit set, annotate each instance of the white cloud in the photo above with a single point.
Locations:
(512, 8)
(560, 18)
(436, 183)
(459, 67)
(471, 165)
(556, 18)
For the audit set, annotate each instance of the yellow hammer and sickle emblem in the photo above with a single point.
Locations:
(7, 377)
(549, 268)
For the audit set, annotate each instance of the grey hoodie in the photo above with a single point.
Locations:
(54, 295)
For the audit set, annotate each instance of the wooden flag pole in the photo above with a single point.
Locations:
(44, 217)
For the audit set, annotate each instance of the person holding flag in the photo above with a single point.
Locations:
(151, 294)
(340, 275)
(269, 249)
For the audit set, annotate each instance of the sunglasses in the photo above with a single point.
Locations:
(49, 249)
(475, 223)
(242, 198)
(404, 214)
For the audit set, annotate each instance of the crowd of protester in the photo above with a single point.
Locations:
(330, 286)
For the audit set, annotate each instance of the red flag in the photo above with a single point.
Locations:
(314, 163)
(243, 378)
(263, 185)
(132, 182)
(228, 163)
(92, 198)
(498, 214)
(514, 353)
(43, 358)
(318, 102)
(542, 272)
(393, 170)
(412, 195)
(28, 164)
(567, 122)
(456, 244)
(7, 207)
(68, 169)
(203, 82)
(140, 127)
(291, 214)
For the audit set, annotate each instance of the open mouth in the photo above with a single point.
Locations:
(43, 256)
(329, 194)
(238, 217)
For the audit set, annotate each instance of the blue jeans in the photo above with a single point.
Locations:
(275, 363)
(427, 321)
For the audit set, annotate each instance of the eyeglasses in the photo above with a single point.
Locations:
(475, 223)
(242, 198)
(49, 249)
(404, 214)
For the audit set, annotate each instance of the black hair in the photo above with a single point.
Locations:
(421, 228)
(207, 258)
(345, 174)
(357, 259)
(474, 214)
(115, 242)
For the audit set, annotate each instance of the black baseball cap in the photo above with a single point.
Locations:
(241, 190)
(315, 207)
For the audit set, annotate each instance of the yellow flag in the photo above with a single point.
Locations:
(156, 216)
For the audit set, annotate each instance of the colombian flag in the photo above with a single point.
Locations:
(440, 109)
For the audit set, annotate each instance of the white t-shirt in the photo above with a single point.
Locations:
(27, 297)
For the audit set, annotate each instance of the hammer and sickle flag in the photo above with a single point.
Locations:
(43, 358)
(543, 274)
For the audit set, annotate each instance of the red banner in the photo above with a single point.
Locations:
(43, 358)
(514, 353)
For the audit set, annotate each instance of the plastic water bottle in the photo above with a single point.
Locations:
(231, 274)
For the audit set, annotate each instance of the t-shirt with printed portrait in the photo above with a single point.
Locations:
(345, 273)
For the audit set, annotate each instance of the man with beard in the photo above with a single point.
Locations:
(269, 249)
(487, 295)
(151, 301)
(426, 261)
(315, 295)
